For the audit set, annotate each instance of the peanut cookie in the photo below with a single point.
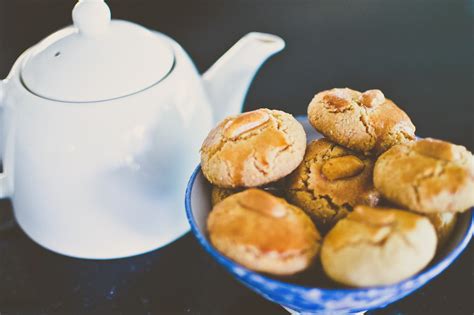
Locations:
(366, 122)
(427, 176)
(331, 181)
(376, 246)
(253, 149)
(263, 233)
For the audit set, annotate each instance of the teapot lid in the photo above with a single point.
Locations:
(96, 59)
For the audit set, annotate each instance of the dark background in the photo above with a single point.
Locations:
(419, 53)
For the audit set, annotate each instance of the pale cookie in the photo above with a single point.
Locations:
(377, 246)
(253, 149)
(427, 176)
(330, 181)
(263, 233)
(444, 223)
(366, 122)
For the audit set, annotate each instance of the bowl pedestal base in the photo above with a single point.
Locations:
(293, 312)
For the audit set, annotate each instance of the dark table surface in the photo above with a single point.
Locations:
(418, 52)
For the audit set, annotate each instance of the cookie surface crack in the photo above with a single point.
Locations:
(436, 172)
(363, 118)
(330, 202)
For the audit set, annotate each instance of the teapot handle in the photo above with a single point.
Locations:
(3, 178)
(4, 190)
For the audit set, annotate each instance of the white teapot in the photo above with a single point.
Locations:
(101, 125)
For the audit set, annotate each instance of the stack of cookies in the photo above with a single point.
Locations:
(373, 201)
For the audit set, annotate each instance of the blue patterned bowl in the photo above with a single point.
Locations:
(306, 299)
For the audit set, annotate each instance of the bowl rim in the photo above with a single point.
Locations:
(429, 272)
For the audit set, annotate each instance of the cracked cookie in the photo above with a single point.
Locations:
(330, 181)
(253, 149)
(443, 223)
(263, 233)
(427, 176)
(366, 122)
(377, 246)
(218, 193)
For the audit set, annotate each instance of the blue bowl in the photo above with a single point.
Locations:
(313, 299)
(306, 299)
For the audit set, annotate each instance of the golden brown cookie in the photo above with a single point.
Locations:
(444, 223)
(218, 194)
(253, 149)
(366, 122)
(427, 176)
(376, 246)
(330, 181)
(263, 233)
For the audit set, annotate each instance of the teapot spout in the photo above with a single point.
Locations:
(228, 80)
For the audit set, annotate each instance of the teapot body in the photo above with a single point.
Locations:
(104, 179)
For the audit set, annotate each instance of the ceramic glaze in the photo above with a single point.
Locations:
(97, 167)
(315, 300)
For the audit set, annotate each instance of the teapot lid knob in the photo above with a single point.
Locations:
(91, 17)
